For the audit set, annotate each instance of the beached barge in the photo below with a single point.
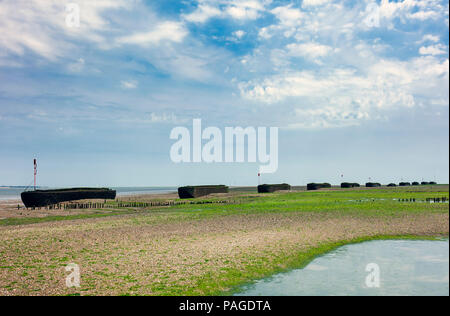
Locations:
(190, 192)
(347, 185)
(41, 198)
(372, 184)
(270, 188)
(317, 186)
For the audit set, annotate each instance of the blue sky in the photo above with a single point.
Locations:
(358, 88)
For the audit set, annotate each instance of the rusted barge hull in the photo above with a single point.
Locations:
(41, 198)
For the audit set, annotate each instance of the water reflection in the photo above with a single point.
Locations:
(405, 268)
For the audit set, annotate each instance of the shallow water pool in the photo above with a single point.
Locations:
(392, 267)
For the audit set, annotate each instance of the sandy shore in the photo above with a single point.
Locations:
(9, 209)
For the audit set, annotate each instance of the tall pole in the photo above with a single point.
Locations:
(35, 172)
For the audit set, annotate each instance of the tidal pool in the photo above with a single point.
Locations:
(389, 267)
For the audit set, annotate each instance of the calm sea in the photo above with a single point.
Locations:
(14, 193)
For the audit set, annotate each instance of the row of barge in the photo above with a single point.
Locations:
(42, 198)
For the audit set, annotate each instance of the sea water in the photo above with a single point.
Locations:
(403, 267)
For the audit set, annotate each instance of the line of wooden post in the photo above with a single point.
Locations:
(120, 204)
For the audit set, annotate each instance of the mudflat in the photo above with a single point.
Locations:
(204, 249)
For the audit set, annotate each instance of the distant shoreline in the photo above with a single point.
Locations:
(12, 187)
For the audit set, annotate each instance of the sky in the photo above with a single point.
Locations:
(358, 89)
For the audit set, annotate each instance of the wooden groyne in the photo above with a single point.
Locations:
(93, 205)
(428, 200)
(437, 200)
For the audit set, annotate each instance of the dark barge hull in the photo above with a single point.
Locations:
(317, 186)
(190, 192)
(41, 198)
(347, 185)
(270, 188)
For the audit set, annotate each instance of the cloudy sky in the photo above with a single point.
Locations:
(358, 88)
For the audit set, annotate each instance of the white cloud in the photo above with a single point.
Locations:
(235, 9)
(287, 15)
(239, 34)
(353, 78)
(192, 67)
(165, 31)
(343, 97)
(265, 33)
(438, 49)
(39, 26)
(308, 50)
(350, 82)
(328, 117)
(410, 9)
(245, 10)
(311, 3)
(329, 20)
(429, 38)
(424, 15)
(202, 14)
(290, 19)
(129, 84)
